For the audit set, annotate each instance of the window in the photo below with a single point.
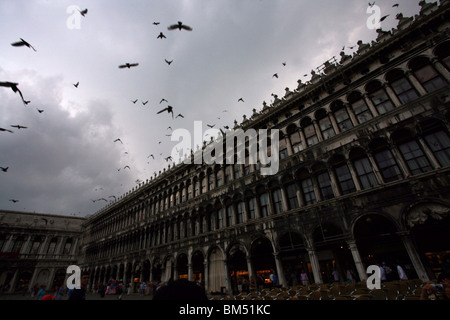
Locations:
(361, 111)
(296, 142)
(291, 191)
(326, 128)
(210, 182)
(283, 148)
(277, 202)
(404, 90)
(219, 178)
(229, 216)
(414, 157)
(220, 218)
(381, 101)
(439, 143)
(240, 212)
(237, 171)
(203, 185)
(343, 119)
(345, 179)
(365, 173)
(196, 188)
(324, 182)
(429, 78)
(264, 204)
(212, 217)
(310, 135)
(228, 173)
(52, 246)
(251, 208)
(388, 166)
(308, 191)
(17, 246)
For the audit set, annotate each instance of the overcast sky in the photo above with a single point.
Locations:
(67, 156)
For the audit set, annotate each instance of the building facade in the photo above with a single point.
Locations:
(36, 249)
(363, 179)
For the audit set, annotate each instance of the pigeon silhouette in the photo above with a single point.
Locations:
(22, 43)
(169, 109)
(128, 65)
(160, 36)
(179, 26)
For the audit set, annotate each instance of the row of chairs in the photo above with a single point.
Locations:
(395, 290)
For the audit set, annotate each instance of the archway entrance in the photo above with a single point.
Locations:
(198, 266)
(263, 260)
(23, 281)
(157, 270)
(293, 256)
(430, 225)
(237, 267)
(216, 271)
(146, 271)
(182, 266)
(333, 252)
(377, 241)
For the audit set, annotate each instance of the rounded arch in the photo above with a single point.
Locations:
(376, 235)
(418, 62)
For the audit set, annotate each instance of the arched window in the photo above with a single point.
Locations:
(401, 86)
(295, 138)
(379, 98)
(359, 107)
(343, 175)
(442, 52)
(310, 132)
(426, 74)
(307, 187)
(240, 212)
(277, 202)
(363, 169)
(219, 177)
(283, 147)
(325, 125)
(385, 161)
(251, 204)
(291, 191)
(52, 246)
(263, 198)
(438, 140)
(411, 151)
(341, 115)
(324, 181)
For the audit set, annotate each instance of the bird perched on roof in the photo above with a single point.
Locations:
(179, 26)
(128, 65)
(22, 43)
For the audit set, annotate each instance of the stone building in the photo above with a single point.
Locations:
(364, 155)
(36, 249)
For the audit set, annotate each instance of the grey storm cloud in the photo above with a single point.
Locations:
(66, 157)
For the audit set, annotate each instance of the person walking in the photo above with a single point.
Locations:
(304, 278)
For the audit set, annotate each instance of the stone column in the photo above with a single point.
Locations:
(414, 256)
(370, 105)
(227, 278)
(317, 129)
(280, 271)
(434, 162)
(391, 94)
(206, 275)
(441, 69)
(334, 182)
(190, 272)
(351, 114)
(416, 83)
(357, 259)
(14, 281)
(49, 284)
(251, 270)
(315, 265)
(303, 138)
(284, 199)
(354, 175)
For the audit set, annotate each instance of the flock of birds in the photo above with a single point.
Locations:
(167, 109)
